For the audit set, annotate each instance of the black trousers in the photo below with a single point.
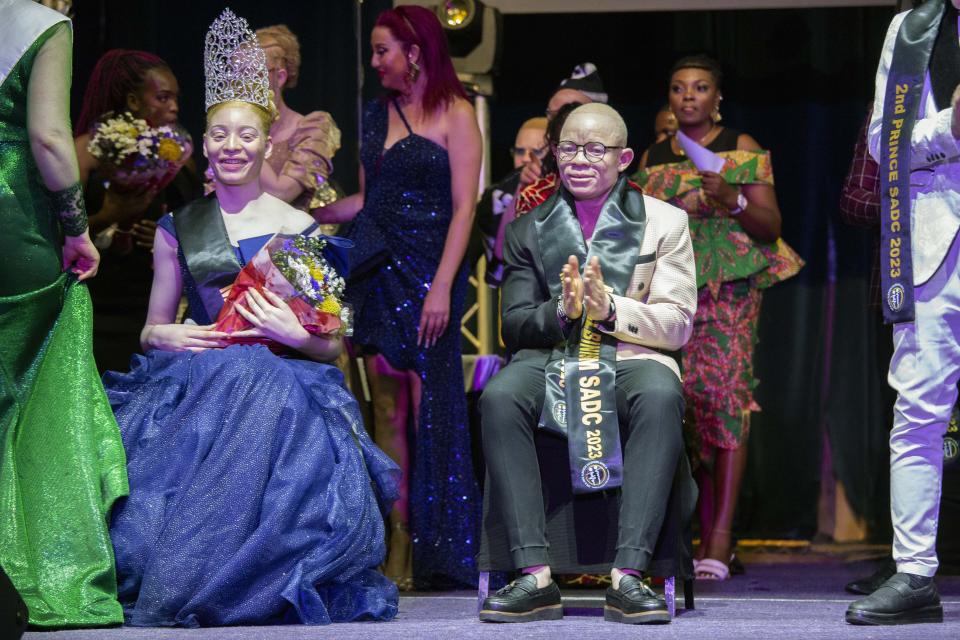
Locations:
(650, 410)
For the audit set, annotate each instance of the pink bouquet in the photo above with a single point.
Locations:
(134, 155)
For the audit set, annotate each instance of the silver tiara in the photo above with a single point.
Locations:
(234, 64)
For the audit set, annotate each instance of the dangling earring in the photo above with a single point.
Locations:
(413, 72)
(716, 112)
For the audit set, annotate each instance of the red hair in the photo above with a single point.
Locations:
(413, 25)
(117, 73)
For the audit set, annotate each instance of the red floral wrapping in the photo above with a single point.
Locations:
(260, 273)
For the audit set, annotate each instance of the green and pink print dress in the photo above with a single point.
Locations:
(733, 269)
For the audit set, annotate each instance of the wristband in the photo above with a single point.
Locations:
(561, 313)
(610, 321)
(69, 205)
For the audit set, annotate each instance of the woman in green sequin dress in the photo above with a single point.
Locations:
(61, 458)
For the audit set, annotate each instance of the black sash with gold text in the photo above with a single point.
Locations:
(581, 400)
(901, 103)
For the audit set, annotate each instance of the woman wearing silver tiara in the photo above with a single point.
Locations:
(256, 495)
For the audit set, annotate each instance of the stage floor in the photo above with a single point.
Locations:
(781, 599)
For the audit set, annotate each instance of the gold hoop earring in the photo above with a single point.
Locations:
(716, 115)
(413, 72)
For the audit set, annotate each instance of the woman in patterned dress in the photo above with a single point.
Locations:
(735, 227)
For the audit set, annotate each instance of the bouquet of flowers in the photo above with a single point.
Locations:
(134, 155)
(298, 269)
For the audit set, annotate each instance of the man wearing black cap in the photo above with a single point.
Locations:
(583, 86)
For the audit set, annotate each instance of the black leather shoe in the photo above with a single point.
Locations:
(866, 586)
(635, 603)
(896, 602)
(522, 601)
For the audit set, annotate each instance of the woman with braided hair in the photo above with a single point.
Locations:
(123, 219)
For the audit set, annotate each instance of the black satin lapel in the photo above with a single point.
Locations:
(619, 234)
(922, 24)
(206, 248)
(559, 236)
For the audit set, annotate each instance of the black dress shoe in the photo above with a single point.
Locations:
(522, 601)
(896, 602)
(866, 586)
(633, 602)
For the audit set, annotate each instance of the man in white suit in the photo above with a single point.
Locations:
(616, 328)
(914, 137)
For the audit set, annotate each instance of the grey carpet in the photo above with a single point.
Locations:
(780, 601)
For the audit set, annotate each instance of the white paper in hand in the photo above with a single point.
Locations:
(702, 158)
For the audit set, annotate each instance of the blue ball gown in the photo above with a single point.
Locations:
(400, 236)
(256, 495)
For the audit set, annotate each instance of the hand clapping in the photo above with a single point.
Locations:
(595, 295)
(572, 288)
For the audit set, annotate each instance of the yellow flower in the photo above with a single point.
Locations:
(132, 131)
(169, 150)
(330, 305)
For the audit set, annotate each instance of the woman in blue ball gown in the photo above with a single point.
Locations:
(411, 224)
(256, 495)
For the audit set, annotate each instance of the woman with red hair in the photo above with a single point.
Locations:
(411, 223)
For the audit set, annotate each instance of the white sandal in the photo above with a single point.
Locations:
(711, 570)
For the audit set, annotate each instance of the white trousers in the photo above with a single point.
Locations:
(923, 371)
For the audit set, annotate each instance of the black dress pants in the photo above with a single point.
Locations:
(650, 411)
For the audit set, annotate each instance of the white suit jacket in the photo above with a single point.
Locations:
(935, 169)
(661, 300)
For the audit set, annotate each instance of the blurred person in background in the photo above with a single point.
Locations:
(123, 219)
(495, 209)
(299, 166)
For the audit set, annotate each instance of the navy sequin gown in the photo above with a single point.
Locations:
(256, 496)
(400, 235)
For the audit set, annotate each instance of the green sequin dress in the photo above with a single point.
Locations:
(62, 464)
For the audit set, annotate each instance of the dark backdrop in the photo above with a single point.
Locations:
(796, 80)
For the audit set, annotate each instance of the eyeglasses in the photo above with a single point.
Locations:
(522, 151)
(592, 151)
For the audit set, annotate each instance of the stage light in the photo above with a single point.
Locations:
(456, 14)
(473, 35)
